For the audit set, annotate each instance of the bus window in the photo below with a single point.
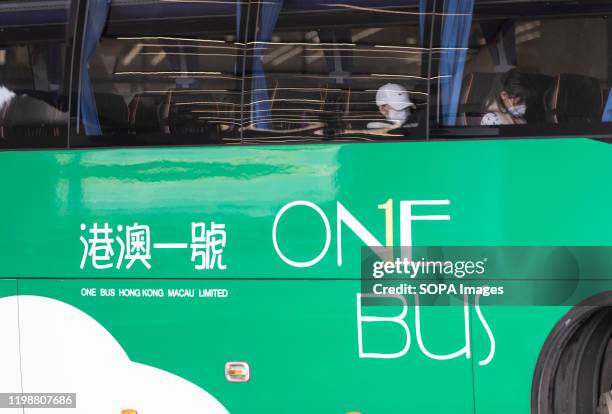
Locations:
(542, 75)
(165, 74)
(33, 102)
(325, 71)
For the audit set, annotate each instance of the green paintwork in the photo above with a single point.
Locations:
(297, 326)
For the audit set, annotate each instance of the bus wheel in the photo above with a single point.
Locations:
(573, 374)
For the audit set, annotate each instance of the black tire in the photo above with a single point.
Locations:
(568, 374)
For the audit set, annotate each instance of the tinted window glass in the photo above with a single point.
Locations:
(33, 97)
(158, 72)
(544, 74)
(164, 74)
(314, 70)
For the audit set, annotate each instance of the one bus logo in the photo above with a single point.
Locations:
(344, 218)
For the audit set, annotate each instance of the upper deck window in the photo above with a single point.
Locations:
(544, 73)
(33, 102)
(255, 72)
(164, 72)
(319, 79)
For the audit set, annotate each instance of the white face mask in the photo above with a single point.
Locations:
(518, 111)
(398, 116)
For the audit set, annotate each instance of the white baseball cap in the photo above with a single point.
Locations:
(394, 95)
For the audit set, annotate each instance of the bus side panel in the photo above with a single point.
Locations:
(130, 344)
(500, 193)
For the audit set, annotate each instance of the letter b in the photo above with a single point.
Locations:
(399, 319)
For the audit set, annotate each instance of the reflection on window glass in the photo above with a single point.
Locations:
(251, 72)
(537, 75)
(345, 72)
(163, 88)
(33, 101)
(171, 86)
(175, 72)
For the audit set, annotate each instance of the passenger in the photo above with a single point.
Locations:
(509, 105)
(394, 104)
(6, 96)
(23, 110)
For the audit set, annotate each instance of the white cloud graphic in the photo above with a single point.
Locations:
(65, 350)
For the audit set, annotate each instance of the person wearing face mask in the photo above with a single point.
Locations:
(394, 104)
(509, 105)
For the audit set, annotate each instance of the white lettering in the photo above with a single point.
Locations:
(316, 208)
(181, 293)
(399, 319)
(463, 351)
(343, 216)
(406, 219)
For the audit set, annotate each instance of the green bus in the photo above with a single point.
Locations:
(193, 190)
